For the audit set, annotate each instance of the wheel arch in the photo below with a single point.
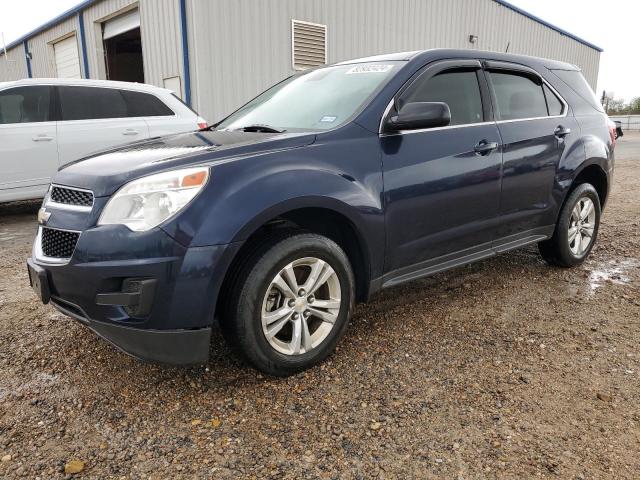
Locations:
(321, 215)
(595, 174)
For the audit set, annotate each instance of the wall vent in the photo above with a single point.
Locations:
(308, 44)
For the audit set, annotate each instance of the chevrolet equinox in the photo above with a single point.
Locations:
(331, 185)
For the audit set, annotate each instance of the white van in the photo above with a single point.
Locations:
(46, 123)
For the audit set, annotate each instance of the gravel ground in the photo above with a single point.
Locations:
(503, 369)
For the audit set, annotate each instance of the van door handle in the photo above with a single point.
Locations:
(130, 131)
(483, 147)
(561, 131)
(42, 138)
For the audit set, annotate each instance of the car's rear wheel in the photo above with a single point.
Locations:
(290, 303)
(576, 230)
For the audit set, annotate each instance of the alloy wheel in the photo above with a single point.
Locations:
(581, 226)
(301, 306)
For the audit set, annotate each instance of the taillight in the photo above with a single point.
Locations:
(201, 122)
(612, 134)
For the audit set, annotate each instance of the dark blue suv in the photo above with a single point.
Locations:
(326, 188)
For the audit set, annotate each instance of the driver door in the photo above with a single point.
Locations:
(442, 185)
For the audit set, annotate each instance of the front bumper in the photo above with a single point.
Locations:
(175, 347)
(177, 286)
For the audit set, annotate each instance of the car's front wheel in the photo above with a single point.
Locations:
(576, 230)
(290, 303)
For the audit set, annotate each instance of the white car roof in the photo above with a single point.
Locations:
(83, 82)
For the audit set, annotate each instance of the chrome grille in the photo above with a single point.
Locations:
(58, 243)
(71, 196)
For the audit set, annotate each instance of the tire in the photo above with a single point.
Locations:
(254, 300)
(559, 250)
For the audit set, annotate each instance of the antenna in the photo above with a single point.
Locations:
(506, 50)
(4, 46)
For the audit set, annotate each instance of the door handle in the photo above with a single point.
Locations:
(130, 131)
(483, 147)
(561, 131)
(42, 138)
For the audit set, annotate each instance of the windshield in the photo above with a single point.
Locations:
(319, 100)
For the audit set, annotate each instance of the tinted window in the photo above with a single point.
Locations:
(24, 105)
(518, 96)
(144, 105)
(553, 102)
(91, 103)
(458, 89)
(578, 84)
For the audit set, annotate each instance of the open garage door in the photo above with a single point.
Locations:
(67, 59)
(123, 47)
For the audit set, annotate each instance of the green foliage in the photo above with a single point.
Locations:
(617, 106)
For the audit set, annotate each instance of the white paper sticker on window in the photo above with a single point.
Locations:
(370, 68)
(328, 118)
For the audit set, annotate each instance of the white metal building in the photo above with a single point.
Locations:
(217, 54)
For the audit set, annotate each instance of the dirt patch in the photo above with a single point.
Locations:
(506, 368)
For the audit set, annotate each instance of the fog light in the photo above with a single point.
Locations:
(136, 296)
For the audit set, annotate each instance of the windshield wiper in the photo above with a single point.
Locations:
(261, 127)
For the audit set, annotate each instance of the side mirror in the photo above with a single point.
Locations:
(418, 115)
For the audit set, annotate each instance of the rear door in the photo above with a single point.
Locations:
(442, 185)
(28, 138)
(535, 130)
(92, 119)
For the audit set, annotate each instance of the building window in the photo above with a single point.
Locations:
(308, 44)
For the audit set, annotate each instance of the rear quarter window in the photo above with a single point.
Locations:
(141, 104)
(576, 82)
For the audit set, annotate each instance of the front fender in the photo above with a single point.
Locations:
(342, 175)
(307, 201)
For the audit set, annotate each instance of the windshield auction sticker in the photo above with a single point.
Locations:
(369, 68)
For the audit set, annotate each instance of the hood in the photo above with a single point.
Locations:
(104, 172)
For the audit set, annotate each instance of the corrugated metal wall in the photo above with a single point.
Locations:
(240, 47)
(43, 63)
(159, 29)
(14, 65)
(161, 41)
(235, 55)
(93, 18)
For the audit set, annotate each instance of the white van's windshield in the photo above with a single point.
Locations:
(319, 100)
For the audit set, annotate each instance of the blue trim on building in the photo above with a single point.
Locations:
(185, 52)
(547, 24)
(27, 57)
(83, 45)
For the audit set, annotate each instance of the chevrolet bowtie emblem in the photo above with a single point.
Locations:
(43, 216)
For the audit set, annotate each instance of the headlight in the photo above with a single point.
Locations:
(147, 202)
